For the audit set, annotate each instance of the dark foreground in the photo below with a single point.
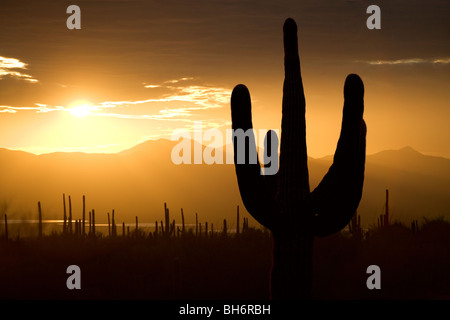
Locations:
(414, 265)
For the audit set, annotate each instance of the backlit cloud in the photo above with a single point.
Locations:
(11, 63)
(193, 98)
(6, 109)
(8, 64)
(178, 80)
(183, 104)
(410, 61)
(38, 108)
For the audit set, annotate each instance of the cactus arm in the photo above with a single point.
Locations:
(337, 197)
(294, 181)
(255, 192)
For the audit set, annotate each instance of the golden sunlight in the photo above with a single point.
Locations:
(81, 108)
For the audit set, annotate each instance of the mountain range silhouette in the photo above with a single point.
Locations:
(137, 182)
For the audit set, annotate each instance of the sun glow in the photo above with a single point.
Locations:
(81, 108)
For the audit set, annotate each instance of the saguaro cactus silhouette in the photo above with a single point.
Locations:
(283, 202)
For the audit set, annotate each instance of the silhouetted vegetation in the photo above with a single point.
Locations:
(414, 262)
(283, 202)
(199, 263)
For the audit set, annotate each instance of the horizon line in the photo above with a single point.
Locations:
(434, 154)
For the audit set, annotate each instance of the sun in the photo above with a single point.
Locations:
(81, 108)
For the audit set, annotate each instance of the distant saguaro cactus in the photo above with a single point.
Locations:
(90, 222)
(40, 220)
(65, 214)
(167, 218)
(384, 219)
(225, 228)
(113, 225)
(183, 229)
(283, 202)
(6, 227)
(84, 216)
(355, 227)
(70, 215)
(93, 222)
(414, 226)
(109, 226)
(137, 227)
(196, 224)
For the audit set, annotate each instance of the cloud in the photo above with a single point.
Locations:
(167, 117)
(178, 80)
(11, 63)
(6, 66)
(182, 104)
(178, 107)
(194, 97)
(6, 109)
(203, 96)
(39, 108)
(410, 61)
(443, 61)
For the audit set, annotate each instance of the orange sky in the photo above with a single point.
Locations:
(139, 70)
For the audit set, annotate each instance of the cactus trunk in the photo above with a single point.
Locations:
(282, 202)
(291, 276)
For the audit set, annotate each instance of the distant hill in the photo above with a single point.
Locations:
(419, 185)
(137, 182)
